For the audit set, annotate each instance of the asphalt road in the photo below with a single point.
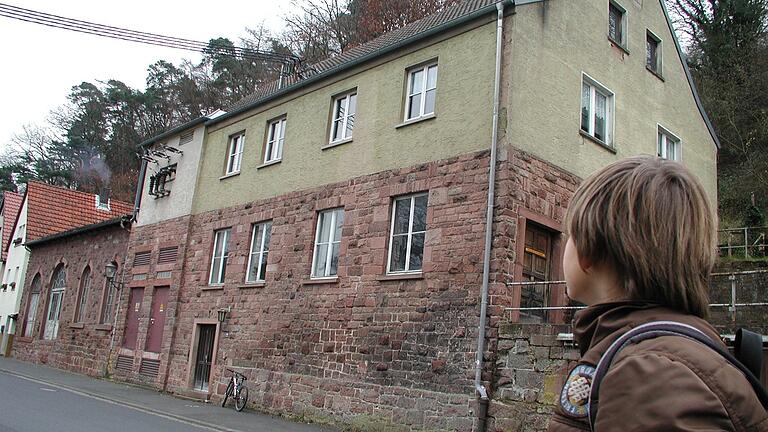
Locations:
(28, 406)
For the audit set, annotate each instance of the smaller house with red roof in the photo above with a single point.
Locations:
(44, 211)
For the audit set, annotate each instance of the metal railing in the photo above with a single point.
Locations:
(738, 299)
(746, 242)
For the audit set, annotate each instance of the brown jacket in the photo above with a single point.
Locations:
(668, 383)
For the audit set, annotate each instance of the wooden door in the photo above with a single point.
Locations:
(132, 320)
(157, 319)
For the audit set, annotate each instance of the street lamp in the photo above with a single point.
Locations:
(222, 314)
(109, 270)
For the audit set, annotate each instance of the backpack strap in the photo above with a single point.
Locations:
(748, 348)
(663, 328)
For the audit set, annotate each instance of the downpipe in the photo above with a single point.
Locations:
(482, 392)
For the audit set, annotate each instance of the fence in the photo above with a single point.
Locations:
(748, 242)
(737, 299)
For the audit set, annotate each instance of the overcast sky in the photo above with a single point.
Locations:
(40, 64)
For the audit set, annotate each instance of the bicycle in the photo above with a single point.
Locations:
(237, 390)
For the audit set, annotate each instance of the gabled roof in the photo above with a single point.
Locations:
(451, 16)
(52, 209)
(10, 210)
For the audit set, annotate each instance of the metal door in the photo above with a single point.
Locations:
(132, 320)
(207, 334)
(157, 319)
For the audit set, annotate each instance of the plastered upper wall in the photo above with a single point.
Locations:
(18, 256)
(179, 202)
(549, 45)
(462, 123)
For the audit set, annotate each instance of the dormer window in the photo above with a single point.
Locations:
(102, 203)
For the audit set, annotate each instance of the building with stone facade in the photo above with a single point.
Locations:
(45, 211)
(336, 237)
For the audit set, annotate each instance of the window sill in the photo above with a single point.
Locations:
(336, 144)
(400, 276)
(618, 45)
(25, 339)
(656, 74)
(104, 327)
(416, 120)
(270, 163)
(230, 175)
(597, 141)
(212, 287)
(320, 281)
(249, 285)
(76, 325)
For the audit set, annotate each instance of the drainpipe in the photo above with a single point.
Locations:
(482, 392)
(139, 188)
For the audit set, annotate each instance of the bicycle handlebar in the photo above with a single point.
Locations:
(234, 372)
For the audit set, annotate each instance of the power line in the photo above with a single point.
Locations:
(56, 21)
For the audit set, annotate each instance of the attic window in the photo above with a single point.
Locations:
(102, 205)
(186, 137)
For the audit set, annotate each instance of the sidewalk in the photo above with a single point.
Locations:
(201, 414)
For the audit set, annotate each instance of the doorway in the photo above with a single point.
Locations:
(132, 320)
(204, 358)
(157, 319)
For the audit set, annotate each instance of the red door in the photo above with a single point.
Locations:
(132, 320)
(157, 319)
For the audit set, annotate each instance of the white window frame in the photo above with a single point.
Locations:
(663, 139)
(332, 240)
(659, 57)
(259, 254)
(235, 153)
(273, 149)
(344, 119)
(410, 93)
(624, 24)
(222, 259)
(409, 234)
(610, 109)
(57, 292)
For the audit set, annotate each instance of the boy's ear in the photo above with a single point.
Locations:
(586, 265)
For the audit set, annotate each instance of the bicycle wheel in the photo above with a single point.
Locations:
(228, 393)
(241, 399)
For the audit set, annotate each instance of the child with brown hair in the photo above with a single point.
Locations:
(642, 245)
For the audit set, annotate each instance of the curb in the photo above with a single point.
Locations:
(198, 423)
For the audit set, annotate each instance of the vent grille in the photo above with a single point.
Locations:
(163, 275)
(186, 137)
(168, 255)
(141, 258)
(149, 368)
(124, 363)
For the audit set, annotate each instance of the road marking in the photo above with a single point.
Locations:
(125, 404)
(47, 389)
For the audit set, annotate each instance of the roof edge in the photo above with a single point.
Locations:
(688, 75)
(78, 230)
(173, 131)
(363, 59)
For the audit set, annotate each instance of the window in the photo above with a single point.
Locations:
(34, 299)
(275, 138)
(409, 226)
(668, 145)
(617, 24)
(325, 260)
(257, 259)
(15, 279)
(110, 289)
(653, 52)
(422, 88)
(85, 285)
(597, 105)
(235, 155)
(343, 120)
(54, 303)
(220, 256)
